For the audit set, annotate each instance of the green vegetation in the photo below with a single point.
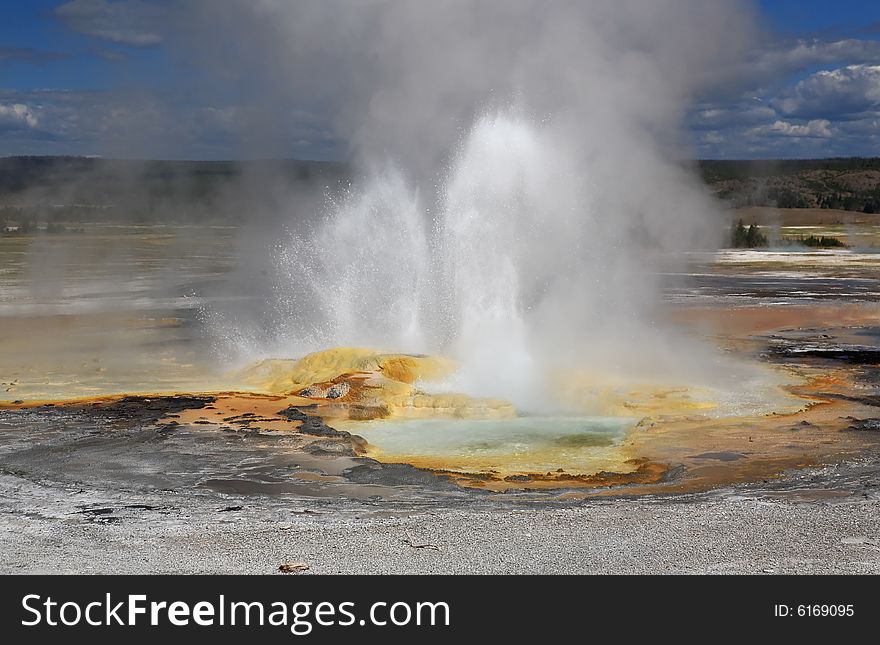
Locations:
(816, 241)
(747, 238)
(752, 237)
(714, 171)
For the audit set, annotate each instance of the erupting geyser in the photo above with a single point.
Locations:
(518, 185)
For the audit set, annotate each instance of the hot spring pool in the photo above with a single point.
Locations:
(581, 445)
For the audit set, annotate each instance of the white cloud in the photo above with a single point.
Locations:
(127, 22)
(803, 54)
(127, 123)
(845, 92)
(748, 112)
(834, 111)
(815, 129)
(17, 115)
(755, 105)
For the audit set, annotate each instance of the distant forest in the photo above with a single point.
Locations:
(48, 190)
(851, 184)
(79, 189)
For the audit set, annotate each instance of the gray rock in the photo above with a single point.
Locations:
(338, 391)
(313, 392)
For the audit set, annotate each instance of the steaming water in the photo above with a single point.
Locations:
(523, 444)
(113, 309)
(516, 265)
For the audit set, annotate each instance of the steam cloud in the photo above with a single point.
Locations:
(520, 178)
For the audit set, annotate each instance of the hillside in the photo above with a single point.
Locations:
(851, 184)
(78, 189)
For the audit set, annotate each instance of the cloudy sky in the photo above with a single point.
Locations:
(116, 78)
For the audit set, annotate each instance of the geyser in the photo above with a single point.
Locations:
(517, 188)
(522, 267)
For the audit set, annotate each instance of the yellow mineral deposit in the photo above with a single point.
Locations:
(670, 437)
(374, 384)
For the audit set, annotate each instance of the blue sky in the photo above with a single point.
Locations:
(815, 17)
(825, 97)
(104, 76)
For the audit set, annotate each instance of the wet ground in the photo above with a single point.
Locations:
(241, 483)
(267, 446)
(816, 520)
(113, 309)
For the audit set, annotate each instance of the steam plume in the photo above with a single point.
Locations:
(520, 173)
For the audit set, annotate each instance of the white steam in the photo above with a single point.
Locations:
(521, 169)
